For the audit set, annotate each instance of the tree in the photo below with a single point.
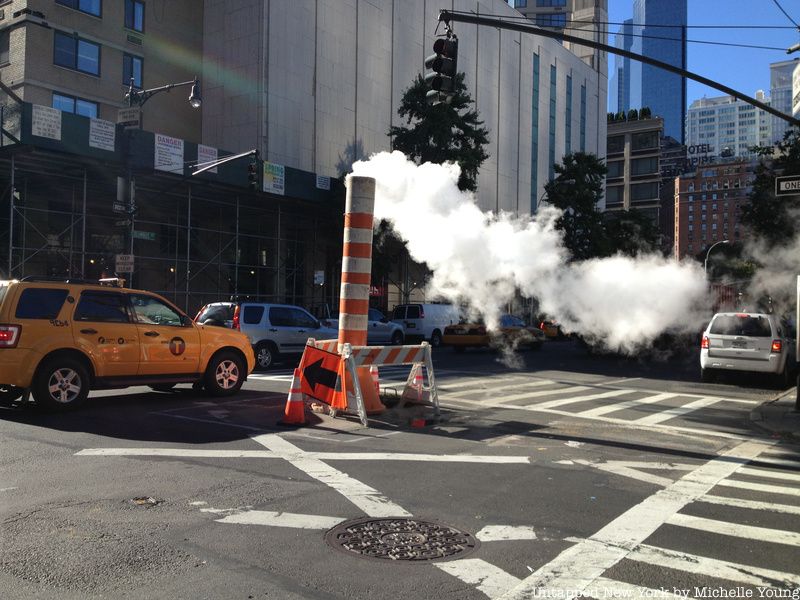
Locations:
(576, 190)
(771, 218)
(442, 133)
(630, 232)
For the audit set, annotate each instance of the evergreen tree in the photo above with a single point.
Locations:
(442, 133)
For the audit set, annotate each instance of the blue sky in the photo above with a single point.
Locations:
(744, 69)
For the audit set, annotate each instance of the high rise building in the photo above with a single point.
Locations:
(780, 90)
(619, 98)
(726, 126)
(658, 31)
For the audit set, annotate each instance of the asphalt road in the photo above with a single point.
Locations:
(552, 474)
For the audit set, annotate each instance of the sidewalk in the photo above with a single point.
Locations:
(779, 416)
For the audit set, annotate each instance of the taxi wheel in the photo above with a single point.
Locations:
(265, 355)
(436, 339)
(61, 384)
(225, 374)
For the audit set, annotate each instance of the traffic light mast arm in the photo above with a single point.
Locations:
(213, 163)
(448, 15)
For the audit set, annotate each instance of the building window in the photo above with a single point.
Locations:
(550, 3)
(552, 131)
(4, 54)
(90, 7)
(568, 118)
(691, 208)
(520, 3)
(616, 168)
(644, 192)
(644, 166)
(74, 105)
(614, 195)
(75, 53)
(134, 15)
(558, 20)
(645, 140)
(583, 118)
(132, 69)
(615, 144)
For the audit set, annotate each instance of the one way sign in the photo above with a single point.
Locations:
(787, 186)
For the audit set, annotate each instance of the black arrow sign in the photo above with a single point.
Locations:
(315, 374)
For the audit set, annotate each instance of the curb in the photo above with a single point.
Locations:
(777, 417)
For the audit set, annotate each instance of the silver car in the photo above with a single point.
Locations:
(747, 341)
(274, 330)
(380, 330)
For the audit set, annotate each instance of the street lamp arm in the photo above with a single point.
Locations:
(705, 263)
(139, 97)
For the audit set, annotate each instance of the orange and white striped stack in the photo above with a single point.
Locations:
(356, 261)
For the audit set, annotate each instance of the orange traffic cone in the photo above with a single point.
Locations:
(295, 413)
(373, 371)
(414, 391)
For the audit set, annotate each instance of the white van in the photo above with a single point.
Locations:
(426, 321)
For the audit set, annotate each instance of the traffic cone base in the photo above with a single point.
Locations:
(415, 391)
(294, 414)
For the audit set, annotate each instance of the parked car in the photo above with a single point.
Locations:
(512, 332)
(750, 342)
(425, 321)
(62, 338)
(275, 330)
(380, 330)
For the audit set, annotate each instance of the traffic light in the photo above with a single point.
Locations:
(252, 173)
(442, 65)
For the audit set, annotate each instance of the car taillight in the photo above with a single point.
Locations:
(236, 317)
(704, 343)
(541, 325)
(777, 347)
(9, 335)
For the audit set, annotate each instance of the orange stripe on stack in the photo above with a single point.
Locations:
(356, 261)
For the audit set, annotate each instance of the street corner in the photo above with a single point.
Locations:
(779, 416)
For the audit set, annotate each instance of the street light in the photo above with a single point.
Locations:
(139, 97)
(705, 264)
(557, 182)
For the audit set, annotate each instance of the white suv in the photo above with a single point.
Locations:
(746, 341)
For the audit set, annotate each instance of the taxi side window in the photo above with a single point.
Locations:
(103, 307)
(152, 311)
(40, 303)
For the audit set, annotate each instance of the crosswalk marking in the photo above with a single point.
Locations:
(602, 410)
(576, 399)
(750, 532)
(769, 474)
(489, 579)
(778, 462)
(760, 487)
(751, 504)
(676, 411)
(712, 567)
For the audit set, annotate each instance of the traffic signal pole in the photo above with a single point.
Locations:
(448, 15)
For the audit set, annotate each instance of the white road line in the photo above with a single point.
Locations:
(751, 504)
(577, 567)
(494, 533)
(748, 532)
(382, 456)
(489, 579)
(379, 456)
(676, 411)
(712, 567)
(502, 403)
(576, 399)
(604, 588)
(760, 487)
(602, 410)
(372, 502)
(282, 519)
(778, 462)
(769, 474)
(177, 452)
(632, 470)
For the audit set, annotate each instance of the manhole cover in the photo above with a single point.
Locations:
(400, 539)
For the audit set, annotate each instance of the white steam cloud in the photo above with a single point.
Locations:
(481, 259)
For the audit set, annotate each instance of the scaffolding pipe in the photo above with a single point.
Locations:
(83, 228)
(11, 220)
(188, 246)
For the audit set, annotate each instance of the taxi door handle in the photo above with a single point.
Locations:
(89, 331)
(151, 333)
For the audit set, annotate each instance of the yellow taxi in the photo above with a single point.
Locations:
(61, 339)
(512, 333)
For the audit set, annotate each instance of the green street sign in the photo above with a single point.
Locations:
(144, 235)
